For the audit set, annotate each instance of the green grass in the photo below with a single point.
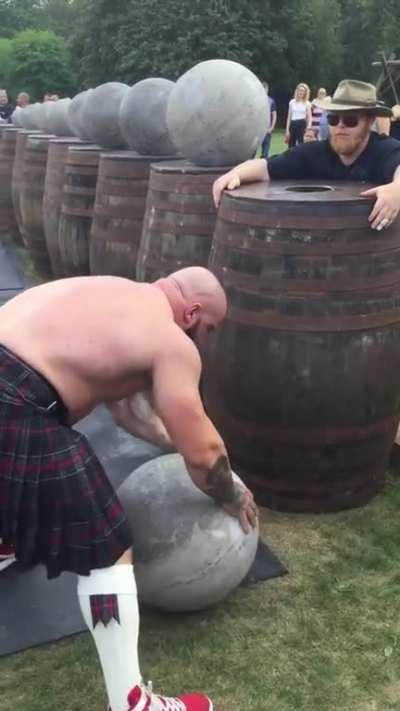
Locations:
(277, 142)
(324, 638)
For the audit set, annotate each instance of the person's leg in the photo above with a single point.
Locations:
(300, 131)
(108, 601)
(292, 134)
(266, 146)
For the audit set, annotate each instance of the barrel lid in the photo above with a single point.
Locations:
(41, 136)
(66, 139)
(10, 129)
(86, 147)
(301, 191)
(185, 166)
(132, 156)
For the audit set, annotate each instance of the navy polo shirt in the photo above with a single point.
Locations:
(318, 161)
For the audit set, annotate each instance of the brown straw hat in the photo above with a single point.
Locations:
(354, 95)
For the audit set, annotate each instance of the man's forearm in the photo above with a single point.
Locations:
(252, 171)
(216, 480)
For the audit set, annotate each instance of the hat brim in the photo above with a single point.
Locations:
(376, 110)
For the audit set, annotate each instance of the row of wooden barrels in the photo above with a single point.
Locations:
(302, 377)
(80, 210)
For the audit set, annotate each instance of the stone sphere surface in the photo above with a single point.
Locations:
(16, 118)
(39, 113)
(101, 115)
(27, 118)
(188, 553)
(57, 117)
(217, 113)
(143, 117)
(75, 115)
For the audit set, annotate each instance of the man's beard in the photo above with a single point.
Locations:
(347, 145)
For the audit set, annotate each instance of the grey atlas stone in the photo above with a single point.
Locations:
(217, 113)
(142, 117)
(15, 117)
(189, 554)
(101, 115)
(75, 115)
(57, 117)
(40, 116)
(27, 118)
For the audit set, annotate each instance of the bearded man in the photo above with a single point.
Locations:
(353, 151)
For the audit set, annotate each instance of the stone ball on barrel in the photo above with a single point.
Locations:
(40, 116)
(217, 113)
(76, 115)
(188, 552)
(101, 115)
(27, 118)
(16, 117)
(143, 118)
(57, 117)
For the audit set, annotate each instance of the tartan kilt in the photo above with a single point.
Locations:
(57, 506)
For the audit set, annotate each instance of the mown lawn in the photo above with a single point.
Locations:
(324, 638)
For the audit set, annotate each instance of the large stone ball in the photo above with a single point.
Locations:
(16, 118)
(101, 115)
(188, 553)
(40, 117)
(75, 115)
(217, 113)
(143, 117)
(27, 118)
(57, 117)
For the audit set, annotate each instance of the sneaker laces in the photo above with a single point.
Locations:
(163, 703)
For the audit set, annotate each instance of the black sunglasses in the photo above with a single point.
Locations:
(348, 120)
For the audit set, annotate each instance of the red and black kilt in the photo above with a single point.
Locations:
(57, 506)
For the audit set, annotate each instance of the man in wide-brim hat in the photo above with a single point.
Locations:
(353, 151)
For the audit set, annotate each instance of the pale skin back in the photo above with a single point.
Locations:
(102, 339)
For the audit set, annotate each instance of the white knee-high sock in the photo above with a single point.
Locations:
(116, 642)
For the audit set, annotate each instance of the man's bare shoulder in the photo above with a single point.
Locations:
(174, 345)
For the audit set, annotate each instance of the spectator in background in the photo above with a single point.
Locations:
(23, 99)
(316, 111)
(55, 97)
(310, 135)
(6, 108)
(272, 122)
(395, 122)
(299, 115)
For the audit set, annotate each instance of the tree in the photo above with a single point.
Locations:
(6, 62)
(40, 64)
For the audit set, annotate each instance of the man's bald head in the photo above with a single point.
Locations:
(204, 300)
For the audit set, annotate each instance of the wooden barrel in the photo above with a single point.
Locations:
(8, 223)
(302, 378)
(17, 175)
(52, 198)
(31, 201)
(180, 219)
(77, 208)
(118, 212)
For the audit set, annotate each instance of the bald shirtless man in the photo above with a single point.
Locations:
(67, 346)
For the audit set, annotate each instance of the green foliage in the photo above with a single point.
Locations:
(6, 61)
(40, 63)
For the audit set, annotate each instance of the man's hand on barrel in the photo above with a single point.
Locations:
(228, 181)
(387, 204)
(243, 508)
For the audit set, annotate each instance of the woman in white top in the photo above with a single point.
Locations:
(299, 115)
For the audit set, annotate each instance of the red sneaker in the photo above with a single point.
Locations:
(141, 698)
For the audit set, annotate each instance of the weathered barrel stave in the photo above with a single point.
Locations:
(52, 198)
(179, 221)
(8, 223)
(81, 173)
(301, 377)
(31, 201)
(119, 212)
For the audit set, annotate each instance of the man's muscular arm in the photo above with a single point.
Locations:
(177, 401)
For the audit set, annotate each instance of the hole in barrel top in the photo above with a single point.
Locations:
(309, 188)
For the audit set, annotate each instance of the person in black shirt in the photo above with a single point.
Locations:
(352, 152)
(6, 108)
